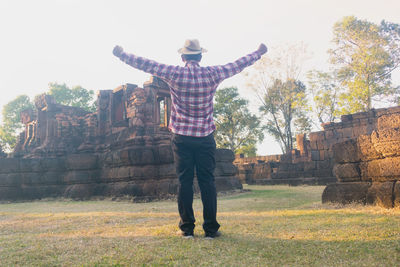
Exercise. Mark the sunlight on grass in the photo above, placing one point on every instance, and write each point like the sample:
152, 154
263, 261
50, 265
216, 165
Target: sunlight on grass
276, 224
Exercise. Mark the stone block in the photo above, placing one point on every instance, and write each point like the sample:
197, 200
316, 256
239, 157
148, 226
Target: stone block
224, 155
9, 165
225, 169
360, 130
311, 165
345, 193
388, 121
10, 179
81, 162
322, 173
387, 169
348, 132
162, 187
167, 170
141, 155
165, 154
324, 164
80, 191
81, 177
387, 142
313, 145
314, 155
317, 136
396, 194
346, 152
30, 165
381, 194
347, 172
52, 178
366, 148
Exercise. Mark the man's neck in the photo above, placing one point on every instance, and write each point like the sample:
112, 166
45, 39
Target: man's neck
192, 62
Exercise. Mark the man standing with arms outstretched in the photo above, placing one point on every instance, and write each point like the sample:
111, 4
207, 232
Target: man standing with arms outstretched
192, 91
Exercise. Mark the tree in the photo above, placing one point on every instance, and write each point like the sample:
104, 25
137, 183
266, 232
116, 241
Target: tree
76, 97
12, 125
325, 93
285, 107
281, 94
237, 128
365, 56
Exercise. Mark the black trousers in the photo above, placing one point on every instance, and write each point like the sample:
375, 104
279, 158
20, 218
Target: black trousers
196, 153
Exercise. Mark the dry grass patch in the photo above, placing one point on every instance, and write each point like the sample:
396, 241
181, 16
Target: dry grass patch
269, 226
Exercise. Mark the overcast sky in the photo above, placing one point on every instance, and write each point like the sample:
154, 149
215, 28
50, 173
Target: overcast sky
71, 41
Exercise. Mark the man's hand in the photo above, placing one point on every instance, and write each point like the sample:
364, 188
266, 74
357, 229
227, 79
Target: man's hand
262, 49
117, 51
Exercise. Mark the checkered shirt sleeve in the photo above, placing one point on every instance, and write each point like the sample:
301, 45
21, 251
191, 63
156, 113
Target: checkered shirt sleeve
192, 90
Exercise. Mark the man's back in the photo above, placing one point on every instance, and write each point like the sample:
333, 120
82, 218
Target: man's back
192, 89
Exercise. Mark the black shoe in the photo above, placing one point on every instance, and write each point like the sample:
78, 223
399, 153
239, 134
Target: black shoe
186, 235
212, 235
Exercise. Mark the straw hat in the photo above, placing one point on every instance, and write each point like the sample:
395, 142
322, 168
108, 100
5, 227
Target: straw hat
191, 47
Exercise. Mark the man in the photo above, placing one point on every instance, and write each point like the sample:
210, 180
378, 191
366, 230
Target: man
192, 91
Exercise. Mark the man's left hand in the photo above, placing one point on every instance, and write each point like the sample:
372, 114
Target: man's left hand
117, 51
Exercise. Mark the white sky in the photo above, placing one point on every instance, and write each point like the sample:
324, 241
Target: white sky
71, 41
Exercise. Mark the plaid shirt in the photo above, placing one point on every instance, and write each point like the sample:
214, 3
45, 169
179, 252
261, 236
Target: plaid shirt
192, 90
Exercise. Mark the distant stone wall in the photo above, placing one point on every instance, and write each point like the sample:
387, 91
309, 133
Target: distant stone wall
299, 167
367, 165
314, 159
124, 148
141, 172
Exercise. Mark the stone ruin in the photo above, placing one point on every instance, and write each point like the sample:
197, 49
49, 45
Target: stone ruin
122, 149
309, 164
359, 159
367, 166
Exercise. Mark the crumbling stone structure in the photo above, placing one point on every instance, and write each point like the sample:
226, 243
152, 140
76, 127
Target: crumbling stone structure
310, 163
124, 148
367, 166
358, 157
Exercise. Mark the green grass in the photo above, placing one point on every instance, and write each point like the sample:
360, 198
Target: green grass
268, 226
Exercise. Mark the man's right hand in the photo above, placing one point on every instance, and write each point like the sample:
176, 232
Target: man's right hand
117, 51
262, 49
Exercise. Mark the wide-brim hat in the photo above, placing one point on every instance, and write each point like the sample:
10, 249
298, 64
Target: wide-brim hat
192, 47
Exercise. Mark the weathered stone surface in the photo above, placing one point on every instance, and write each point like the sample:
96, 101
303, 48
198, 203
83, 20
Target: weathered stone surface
388, 121
225, 169
224, 155
347, 172
9, 165
386, 169
346, 152
345, 193
82, 162
124, 148
396, 194
381, 194
387, 142
366, 148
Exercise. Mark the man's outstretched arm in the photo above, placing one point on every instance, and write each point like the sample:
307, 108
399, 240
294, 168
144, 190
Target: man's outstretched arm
230, 69
144, 64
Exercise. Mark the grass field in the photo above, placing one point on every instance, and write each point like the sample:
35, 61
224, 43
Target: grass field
268, 226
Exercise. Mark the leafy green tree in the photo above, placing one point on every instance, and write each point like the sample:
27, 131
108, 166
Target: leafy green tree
237, 128
12, 125
282, 96
325, 92
285, 107
365, 55
76, 96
